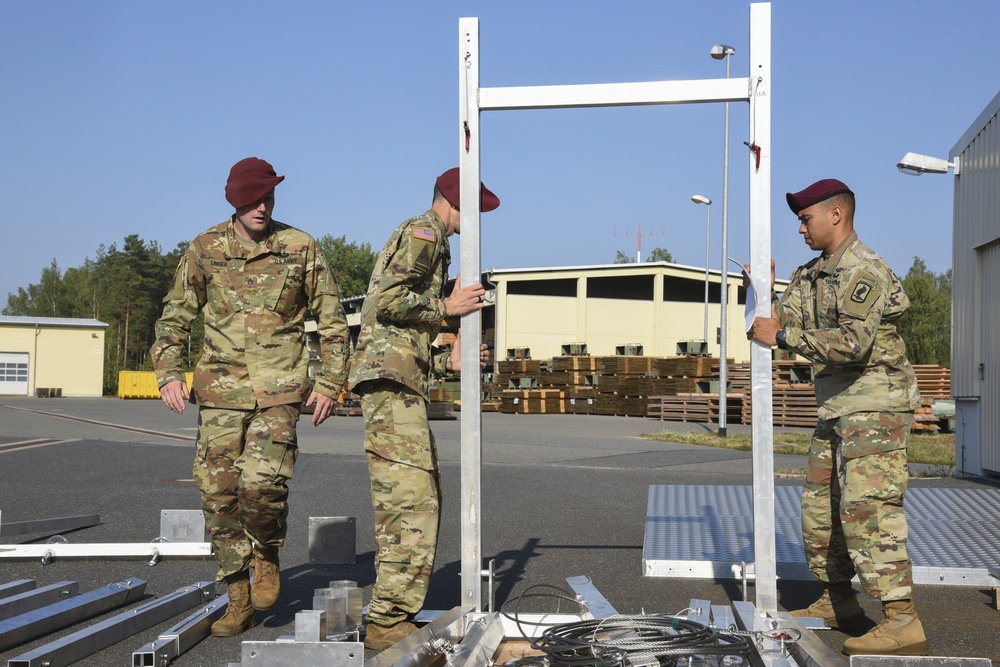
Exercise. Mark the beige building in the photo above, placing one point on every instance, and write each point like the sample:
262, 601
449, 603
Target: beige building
656, 305
51, 353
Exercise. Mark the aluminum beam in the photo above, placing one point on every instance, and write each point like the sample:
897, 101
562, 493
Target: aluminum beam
181, 637
15, 587
482, 637
754, 89
60, 525
36, 599
89, 640
302, 654
62, 614
150, 550
472, 415
592, 598
614, 94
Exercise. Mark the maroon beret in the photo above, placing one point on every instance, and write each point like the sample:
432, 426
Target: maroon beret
815, 193
448, 185
249, 180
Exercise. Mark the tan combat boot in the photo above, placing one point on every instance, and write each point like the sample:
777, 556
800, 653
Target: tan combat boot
239, 615
838, 606
899, 634
379, 637
266, 585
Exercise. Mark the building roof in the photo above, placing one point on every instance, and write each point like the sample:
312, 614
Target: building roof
27, 321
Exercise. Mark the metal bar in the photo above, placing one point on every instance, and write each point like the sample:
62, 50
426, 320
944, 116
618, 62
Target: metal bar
596, 603
15, 587
89, 640
471, 416
108, 550
59, 525
760, 260
482, 637
62, 614
614, 94
302, 654
181, 637
36, 599
422, 648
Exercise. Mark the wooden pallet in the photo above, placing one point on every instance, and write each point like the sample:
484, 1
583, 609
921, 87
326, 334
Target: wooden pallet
574, 363
700, 408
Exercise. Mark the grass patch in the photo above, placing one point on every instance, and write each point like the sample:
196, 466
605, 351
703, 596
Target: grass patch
933, 449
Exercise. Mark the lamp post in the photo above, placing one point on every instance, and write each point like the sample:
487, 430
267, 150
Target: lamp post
699, 199
720, 52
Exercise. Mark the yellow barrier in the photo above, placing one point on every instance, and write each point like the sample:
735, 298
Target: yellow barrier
142, 384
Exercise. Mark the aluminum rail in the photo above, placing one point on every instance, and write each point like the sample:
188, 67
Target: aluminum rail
153, 551
181, 637
89, 640
59, 525
38, 598
62, 614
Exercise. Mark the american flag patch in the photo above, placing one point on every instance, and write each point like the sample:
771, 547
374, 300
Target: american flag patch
423, 233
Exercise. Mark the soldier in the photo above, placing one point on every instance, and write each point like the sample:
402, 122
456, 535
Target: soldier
256, 280
840, 311
390, 369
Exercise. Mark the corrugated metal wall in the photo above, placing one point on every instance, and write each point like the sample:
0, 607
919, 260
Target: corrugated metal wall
976, 278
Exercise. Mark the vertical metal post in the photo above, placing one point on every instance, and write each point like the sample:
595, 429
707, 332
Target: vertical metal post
760, 260
724, 279
708, 236
469, 147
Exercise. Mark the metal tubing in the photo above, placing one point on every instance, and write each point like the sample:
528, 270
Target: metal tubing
36, 599
16, 587
89, 640
50, 552
482, 637
613, 94
181, 637
471, 416
422, 648
62, 614
760, 259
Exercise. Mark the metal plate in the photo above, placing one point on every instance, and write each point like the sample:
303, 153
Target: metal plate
707, 532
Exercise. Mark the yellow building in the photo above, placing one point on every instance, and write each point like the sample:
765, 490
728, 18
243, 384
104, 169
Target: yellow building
659, 306
64, 356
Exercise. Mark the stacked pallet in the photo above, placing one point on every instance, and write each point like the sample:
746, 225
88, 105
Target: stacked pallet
517, 374
624, 384
532, 401
933, 381
699, 408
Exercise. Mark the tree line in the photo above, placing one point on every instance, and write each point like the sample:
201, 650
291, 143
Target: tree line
124, 286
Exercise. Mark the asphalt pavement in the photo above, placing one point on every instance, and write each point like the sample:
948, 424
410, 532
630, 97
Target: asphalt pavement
562, 495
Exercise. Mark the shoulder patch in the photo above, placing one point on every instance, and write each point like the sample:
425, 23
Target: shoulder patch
424, 234
862, 293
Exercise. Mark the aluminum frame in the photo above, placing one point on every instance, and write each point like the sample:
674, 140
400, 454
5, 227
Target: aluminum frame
474, 99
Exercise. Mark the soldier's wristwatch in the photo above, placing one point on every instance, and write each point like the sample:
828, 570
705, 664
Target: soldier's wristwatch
779, 336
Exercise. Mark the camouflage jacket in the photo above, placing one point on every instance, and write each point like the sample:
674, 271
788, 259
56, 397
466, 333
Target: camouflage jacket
840, 312
255, 304
405, 307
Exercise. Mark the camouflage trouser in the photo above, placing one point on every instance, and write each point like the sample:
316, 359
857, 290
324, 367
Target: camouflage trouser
244, 461
406, 497
852, 503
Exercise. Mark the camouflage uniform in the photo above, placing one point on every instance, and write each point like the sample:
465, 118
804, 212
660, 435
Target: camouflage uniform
252, 376
391, 368
840, 312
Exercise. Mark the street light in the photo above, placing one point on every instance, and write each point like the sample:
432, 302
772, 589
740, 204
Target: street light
720, 52
699, 199
915, 164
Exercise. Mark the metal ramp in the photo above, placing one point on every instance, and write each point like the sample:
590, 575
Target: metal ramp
707, 532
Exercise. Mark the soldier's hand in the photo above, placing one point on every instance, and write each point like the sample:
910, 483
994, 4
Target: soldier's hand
464, 300
455, 358
324, 407
174, 395
763, 329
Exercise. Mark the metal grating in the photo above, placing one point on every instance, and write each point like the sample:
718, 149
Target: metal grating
707, 531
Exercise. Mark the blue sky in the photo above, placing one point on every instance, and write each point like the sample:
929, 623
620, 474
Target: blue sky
124, 117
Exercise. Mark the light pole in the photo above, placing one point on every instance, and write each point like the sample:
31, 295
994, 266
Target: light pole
699, 199
720, 52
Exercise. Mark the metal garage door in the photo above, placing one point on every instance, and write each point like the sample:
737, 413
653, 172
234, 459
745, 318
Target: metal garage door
13, 373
